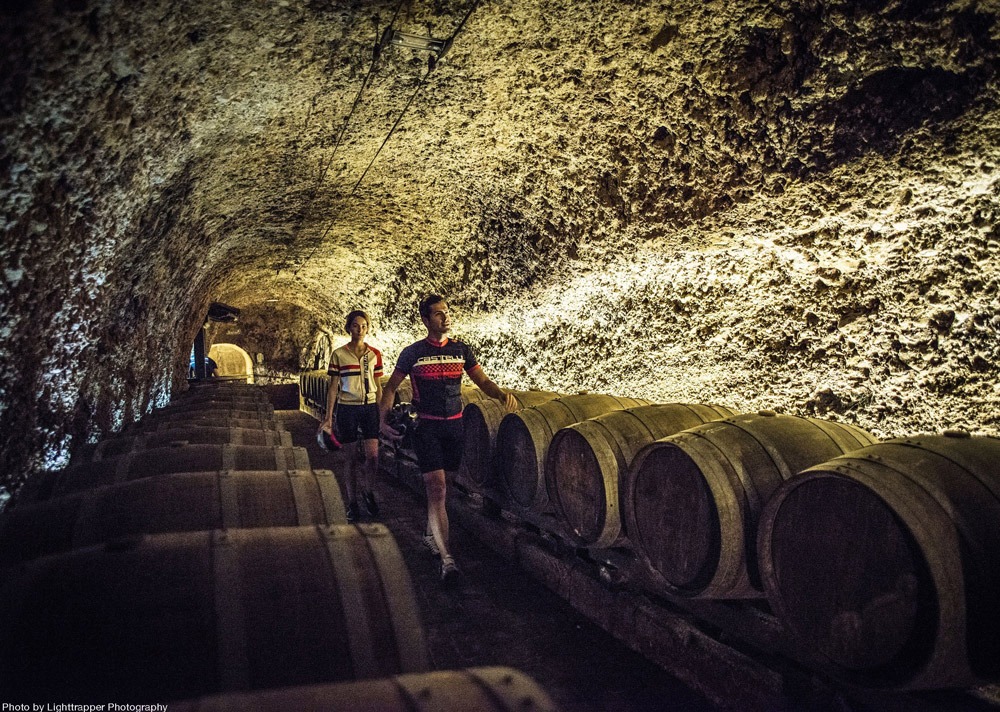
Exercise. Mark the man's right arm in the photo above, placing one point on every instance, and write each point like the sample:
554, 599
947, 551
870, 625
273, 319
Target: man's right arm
385, 403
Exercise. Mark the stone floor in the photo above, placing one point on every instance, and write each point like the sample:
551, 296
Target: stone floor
497, 615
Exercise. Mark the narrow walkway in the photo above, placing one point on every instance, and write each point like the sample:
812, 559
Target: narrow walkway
497, 615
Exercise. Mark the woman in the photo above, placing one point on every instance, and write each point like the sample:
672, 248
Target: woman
352, 404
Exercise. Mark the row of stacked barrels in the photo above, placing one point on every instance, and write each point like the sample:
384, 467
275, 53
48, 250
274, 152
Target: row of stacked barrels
198, 559
881, 559
314, 387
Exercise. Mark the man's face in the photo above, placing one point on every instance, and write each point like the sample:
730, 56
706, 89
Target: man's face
439, 320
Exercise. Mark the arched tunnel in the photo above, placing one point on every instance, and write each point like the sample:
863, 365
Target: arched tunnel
782, 206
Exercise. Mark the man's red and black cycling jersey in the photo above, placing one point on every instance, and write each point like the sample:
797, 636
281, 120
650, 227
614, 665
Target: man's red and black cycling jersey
435, 370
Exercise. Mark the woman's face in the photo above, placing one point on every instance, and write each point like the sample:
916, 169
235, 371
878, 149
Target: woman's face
359, 327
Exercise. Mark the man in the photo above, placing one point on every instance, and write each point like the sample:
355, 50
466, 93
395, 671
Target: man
435, 365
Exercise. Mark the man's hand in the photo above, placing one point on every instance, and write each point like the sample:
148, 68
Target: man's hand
390, 433
509, 403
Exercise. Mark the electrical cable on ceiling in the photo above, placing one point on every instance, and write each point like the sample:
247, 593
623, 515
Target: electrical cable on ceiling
431, 65
376, 54
324, 169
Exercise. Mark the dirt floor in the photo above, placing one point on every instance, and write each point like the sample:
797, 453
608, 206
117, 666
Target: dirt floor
497, 615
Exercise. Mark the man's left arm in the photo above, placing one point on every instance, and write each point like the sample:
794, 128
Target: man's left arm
491, 389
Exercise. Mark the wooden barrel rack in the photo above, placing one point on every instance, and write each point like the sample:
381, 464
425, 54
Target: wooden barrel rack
181, 562
196, 585
737, 645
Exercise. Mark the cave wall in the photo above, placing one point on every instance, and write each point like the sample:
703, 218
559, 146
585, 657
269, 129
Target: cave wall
786, 205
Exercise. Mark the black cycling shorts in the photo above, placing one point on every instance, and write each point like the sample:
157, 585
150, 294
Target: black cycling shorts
438, 444
356, 422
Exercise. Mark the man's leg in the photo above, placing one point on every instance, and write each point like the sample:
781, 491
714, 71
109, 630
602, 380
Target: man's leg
369, 469
437, 512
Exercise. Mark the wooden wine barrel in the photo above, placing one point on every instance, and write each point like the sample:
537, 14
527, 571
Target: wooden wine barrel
173, 616
252, 404
692, 500
220, 418
472, 394
885, 561
203, 419
282, 396
486, 689
223, 383
239, 409
585, 459
187, 501
161, 461
315, 387
221, 390
523, 442
193, 434
482, 420
249, 394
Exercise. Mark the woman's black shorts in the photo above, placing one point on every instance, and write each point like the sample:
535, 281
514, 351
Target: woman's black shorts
438, 444
356, 422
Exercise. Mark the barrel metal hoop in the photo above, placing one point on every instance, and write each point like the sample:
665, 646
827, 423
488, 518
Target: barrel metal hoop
141, 442
304, 514
87, 516
768, 446
329, 493
230, 614
397, 591
356, 613
300, 458
122, 467
229, 503
99, 450
228, 457
721, 466
733, 507
509, 688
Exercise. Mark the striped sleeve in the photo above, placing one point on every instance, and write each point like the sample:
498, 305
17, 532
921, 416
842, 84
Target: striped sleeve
378, 364
406, 360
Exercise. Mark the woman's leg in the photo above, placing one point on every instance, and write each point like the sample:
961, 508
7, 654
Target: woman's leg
350, 472
370, 464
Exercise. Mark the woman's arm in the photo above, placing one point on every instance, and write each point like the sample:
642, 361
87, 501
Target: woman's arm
331, 404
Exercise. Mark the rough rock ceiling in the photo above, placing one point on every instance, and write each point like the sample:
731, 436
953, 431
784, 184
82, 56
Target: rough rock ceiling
788, 205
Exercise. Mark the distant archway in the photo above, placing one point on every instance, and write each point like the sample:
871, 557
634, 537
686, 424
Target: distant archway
233, 362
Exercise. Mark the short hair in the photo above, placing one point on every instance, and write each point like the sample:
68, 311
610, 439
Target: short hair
354, 315
427, 302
